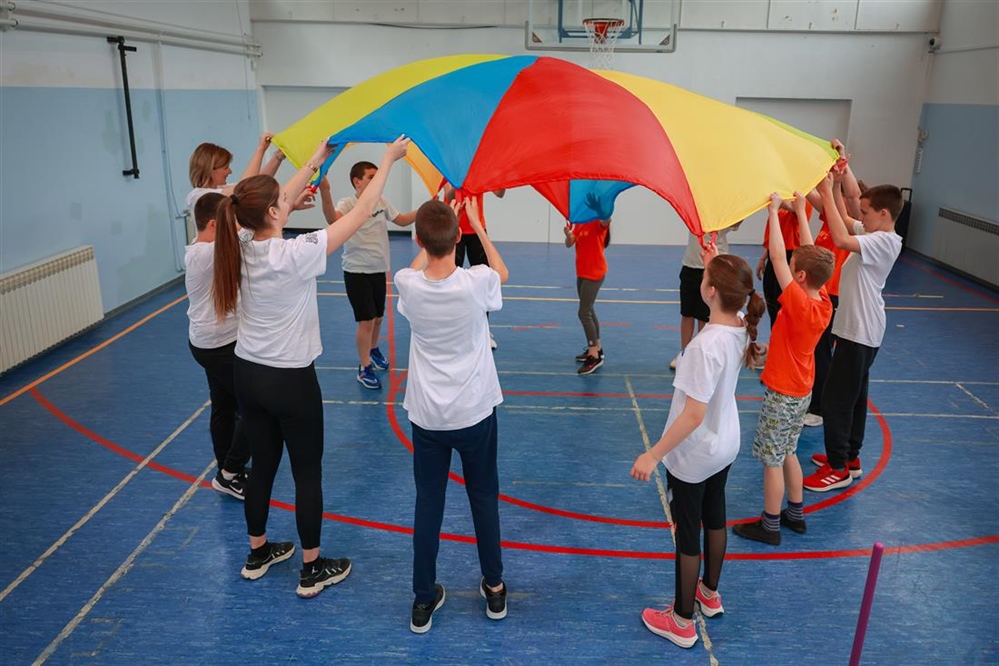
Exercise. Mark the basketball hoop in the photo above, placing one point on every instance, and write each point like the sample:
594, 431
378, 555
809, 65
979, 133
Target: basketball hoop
602, 34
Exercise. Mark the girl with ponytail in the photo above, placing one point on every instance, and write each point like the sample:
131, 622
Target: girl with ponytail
277, 342
701, 440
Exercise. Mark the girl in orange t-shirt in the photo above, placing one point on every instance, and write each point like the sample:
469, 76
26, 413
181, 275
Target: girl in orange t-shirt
590, 240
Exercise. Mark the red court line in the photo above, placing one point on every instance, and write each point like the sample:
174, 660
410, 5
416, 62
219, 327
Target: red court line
518, 545
951, 281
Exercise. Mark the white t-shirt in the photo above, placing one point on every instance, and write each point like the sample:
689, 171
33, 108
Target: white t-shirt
279, 315
692, 255
205, 331
195, 194
860, 317
452, 376
367, 251
708, 373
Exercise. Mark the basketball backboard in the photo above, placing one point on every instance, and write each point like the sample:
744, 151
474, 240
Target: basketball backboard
558, 25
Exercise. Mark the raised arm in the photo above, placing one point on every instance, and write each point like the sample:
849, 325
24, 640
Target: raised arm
841, 236
778, 252
337, 234
253, 168
326, 197
570, 238
405, 219
273, 164
492, 254
851, 187
804, 232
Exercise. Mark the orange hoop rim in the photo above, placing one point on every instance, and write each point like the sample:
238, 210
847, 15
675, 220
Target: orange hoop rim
601, 26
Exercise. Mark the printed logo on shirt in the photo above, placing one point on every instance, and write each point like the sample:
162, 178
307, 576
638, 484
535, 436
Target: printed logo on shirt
311, 238
378, 212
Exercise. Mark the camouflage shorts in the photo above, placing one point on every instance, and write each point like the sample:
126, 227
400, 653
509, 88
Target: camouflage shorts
781, 418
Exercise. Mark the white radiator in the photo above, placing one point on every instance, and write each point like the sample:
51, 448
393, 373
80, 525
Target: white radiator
47, 302
968, 243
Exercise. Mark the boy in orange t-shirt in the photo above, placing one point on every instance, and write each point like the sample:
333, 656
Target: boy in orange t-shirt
590, 240
788, 375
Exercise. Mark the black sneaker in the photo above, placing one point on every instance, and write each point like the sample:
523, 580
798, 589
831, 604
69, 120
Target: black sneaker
798, 526
257, 566
235, 486
495, 601
590, 364
423, 614
320, 574
756, 532
586, 352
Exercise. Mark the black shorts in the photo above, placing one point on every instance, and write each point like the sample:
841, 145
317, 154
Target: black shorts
691, 303
366, 292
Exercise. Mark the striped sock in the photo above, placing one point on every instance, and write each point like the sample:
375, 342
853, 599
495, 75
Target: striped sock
771, 523
794, 510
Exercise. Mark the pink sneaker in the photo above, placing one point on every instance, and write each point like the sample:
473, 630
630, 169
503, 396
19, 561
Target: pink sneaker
662, 623
710, 606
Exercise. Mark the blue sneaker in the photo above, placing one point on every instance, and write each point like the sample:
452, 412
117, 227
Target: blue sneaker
378, 362
366, 375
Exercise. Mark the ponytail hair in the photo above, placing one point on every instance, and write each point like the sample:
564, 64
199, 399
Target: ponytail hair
732, 279
247, 207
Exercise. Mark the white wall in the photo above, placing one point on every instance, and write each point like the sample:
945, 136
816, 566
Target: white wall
883, 76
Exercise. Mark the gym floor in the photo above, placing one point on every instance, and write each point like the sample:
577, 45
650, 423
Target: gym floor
115, 549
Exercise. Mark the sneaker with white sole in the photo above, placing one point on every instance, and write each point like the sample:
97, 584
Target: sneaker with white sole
710, 606
663, 623
676, 359
492, 341
367, 378
257, 565
320, 574
495, 601
812, 420
856, 471
235, 487
378, 361
423, 614
827, 478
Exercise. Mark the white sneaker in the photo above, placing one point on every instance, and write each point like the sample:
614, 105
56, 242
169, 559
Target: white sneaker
672, 364
492, 342
812, 420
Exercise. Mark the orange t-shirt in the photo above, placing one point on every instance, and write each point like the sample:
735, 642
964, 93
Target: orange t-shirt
591, 264
824, 239
466, 228
790, 367
788, 228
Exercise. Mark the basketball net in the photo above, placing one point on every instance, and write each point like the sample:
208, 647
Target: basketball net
602, 34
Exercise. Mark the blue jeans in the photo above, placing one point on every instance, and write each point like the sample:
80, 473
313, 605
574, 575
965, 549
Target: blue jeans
431, 464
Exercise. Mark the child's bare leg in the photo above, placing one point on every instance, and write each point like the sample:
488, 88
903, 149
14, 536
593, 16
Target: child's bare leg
686, 331
773, 488
793, 479
363, 341
376, 331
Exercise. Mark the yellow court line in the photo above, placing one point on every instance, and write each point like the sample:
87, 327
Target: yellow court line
92, 351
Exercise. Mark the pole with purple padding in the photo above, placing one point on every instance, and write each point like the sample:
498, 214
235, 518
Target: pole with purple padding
865, 605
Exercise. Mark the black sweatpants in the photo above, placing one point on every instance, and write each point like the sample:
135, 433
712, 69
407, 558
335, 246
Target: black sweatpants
232, 449
283, 407
844, 401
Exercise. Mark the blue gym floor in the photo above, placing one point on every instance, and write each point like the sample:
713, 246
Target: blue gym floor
115, 550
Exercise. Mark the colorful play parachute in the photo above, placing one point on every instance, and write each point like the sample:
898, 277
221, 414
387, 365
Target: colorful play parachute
579, 137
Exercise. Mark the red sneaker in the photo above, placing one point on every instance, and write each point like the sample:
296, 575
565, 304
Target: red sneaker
710, 606
827, 478
662, 623
853, 466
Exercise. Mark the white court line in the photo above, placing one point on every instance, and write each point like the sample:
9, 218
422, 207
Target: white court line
669, 517
981, 403
123, 568
943, 416
100, 505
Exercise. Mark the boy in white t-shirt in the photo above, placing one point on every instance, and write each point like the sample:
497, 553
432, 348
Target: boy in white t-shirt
451, 397
365, 264
859, 324
212, 344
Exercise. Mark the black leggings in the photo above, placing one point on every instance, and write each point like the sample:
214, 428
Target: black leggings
283, 406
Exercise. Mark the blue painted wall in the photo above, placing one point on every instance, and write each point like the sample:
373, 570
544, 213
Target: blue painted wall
960, 168
61, 186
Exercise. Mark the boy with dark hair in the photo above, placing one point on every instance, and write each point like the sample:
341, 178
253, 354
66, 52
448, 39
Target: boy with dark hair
788, 375
213, 344
365, 265
859, 325
451, 396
